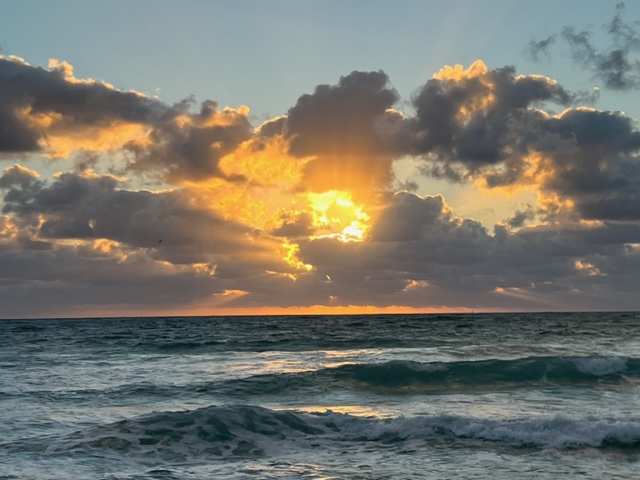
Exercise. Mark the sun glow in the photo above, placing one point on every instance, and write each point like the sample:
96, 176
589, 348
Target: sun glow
336, 215
290, 253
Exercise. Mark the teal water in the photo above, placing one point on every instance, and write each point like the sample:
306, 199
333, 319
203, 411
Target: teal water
497, 396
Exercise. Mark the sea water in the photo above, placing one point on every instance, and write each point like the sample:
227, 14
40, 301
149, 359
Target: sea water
495, 396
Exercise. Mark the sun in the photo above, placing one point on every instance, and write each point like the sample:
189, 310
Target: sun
336, 215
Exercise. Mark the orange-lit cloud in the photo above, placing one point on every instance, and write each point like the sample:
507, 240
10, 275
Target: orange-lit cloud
192, 208
53, 112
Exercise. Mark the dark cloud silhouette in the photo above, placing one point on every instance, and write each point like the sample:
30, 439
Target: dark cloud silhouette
413, 239
190, 146
410, 218
299, 224
340, 119
520, 217
343, 128
598, 168
80, 207
36, 103
467, 123
274, 126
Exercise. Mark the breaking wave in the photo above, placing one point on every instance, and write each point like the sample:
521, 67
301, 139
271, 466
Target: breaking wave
245, 431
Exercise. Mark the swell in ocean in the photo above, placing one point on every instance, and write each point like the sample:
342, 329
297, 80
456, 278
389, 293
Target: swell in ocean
494, 397
241, 431
400, 377
438, 377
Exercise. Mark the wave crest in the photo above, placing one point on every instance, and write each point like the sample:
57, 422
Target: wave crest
439, 377
240, 431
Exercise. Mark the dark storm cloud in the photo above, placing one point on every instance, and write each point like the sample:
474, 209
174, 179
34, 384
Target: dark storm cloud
614, 65
481, 137
409, 218
413, 237
18, 176
132, 249
15, 135
28, 92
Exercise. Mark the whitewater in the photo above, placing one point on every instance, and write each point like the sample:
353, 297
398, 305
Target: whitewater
495, 396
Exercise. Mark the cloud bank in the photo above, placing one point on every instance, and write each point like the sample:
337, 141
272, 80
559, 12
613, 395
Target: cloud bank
193, 208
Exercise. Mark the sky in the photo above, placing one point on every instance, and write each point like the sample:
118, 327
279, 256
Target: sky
273, 157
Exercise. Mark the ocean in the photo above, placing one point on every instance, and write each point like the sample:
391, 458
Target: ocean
473, 396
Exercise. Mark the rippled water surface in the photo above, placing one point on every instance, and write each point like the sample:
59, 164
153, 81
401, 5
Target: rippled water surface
382, 396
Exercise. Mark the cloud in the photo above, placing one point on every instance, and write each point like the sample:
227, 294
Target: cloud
342, 128
43, 110
520, 217
418, 253
598, 170
340, 119
304, 209
54, 113
90, 206
614, 65
295, 224
410, 217
469, 122
190, 146
490, 127
537, 48
86, 280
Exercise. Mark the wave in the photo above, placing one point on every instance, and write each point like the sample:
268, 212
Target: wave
241, 431
492, 373
393, 377
401, 376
